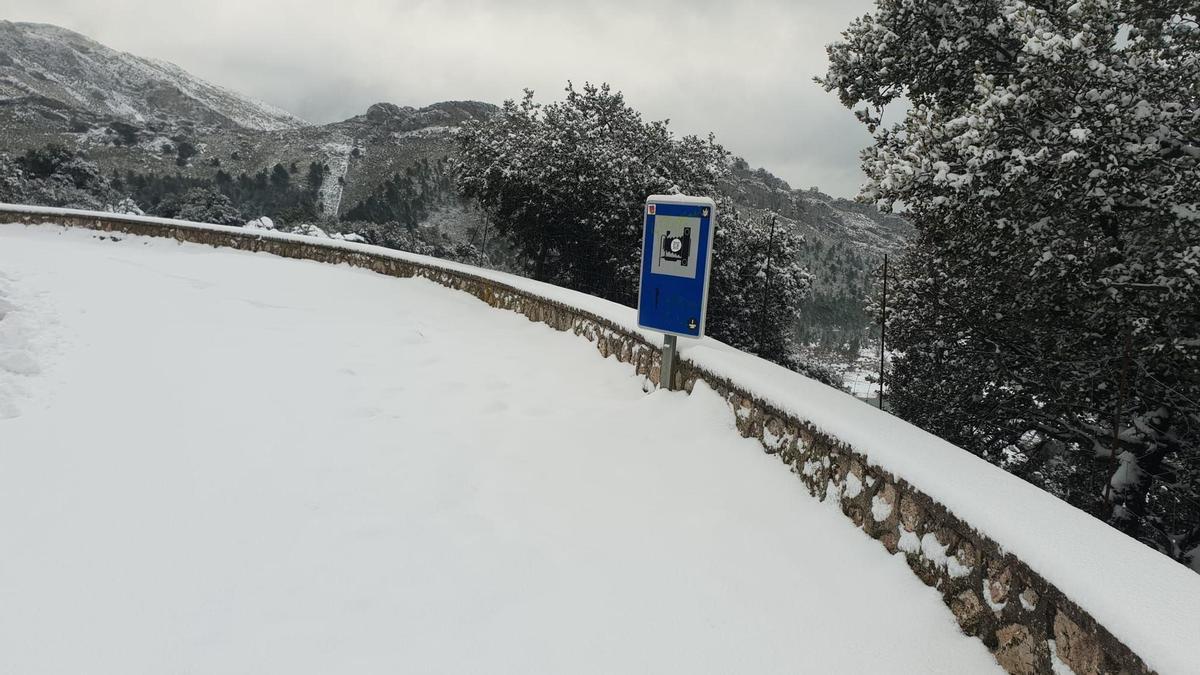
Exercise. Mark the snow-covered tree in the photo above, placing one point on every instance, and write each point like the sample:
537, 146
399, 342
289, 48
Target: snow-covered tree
1049, 311
758, 284
54, 176
566, 184
260, 223
202, 205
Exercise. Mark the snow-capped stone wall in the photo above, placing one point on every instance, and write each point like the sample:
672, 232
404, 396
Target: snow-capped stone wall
1026, 620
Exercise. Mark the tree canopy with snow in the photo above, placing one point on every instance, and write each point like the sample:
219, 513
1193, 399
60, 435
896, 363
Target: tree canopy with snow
566, 184
757, 287
1048, 313
54, 176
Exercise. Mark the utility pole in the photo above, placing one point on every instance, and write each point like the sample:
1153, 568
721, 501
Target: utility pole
484, 219
1123, 379
1116, 423
882, 329
762, 314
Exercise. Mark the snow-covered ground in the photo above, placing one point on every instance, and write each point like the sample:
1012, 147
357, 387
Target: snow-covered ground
229, 462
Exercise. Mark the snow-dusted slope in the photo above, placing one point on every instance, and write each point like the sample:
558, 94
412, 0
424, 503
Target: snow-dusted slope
236, 463
54, 63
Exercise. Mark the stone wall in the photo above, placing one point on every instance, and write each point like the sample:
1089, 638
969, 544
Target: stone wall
994, 596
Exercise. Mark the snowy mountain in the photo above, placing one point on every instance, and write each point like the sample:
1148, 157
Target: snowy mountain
68, 73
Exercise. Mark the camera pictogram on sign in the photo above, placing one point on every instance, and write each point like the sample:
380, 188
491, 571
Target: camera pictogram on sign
676, 240
679, 248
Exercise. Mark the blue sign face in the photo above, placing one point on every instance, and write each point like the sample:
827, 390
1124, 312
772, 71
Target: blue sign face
676, 256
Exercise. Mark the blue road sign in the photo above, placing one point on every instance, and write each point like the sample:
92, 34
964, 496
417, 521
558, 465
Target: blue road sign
676, 259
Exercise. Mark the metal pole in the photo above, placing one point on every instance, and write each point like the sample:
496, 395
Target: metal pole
882, 329
666, 377
762, 315
1116, 423
485, 229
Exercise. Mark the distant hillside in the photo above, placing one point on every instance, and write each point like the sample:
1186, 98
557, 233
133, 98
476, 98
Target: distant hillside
67, 73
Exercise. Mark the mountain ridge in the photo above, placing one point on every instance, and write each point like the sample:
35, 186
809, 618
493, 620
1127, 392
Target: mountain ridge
62, 65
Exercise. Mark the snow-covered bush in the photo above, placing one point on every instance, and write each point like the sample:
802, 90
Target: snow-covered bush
54, 176
1049, 310
349, 236
201, 205
261, 223
125, 206
308, 230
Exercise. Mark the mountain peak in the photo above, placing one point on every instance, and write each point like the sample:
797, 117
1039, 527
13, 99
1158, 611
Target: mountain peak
45, 61
393, 117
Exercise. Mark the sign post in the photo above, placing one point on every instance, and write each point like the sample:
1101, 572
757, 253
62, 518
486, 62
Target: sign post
676, 261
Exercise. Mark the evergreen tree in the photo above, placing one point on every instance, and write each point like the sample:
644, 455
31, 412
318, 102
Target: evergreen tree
280, 179
183, 152
409, 197
758, 284
55, 176
566, 183
1049, 310
201, 205
45, 161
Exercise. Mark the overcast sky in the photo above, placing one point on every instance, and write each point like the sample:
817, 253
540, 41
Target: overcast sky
742, 70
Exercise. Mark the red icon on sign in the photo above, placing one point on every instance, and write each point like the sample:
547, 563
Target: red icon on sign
650, 209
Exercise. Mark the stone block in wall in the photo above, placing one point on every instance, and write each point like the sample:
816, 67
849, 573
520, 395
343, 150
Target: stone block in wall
645, 361
774, 435
1029, 599
890, 541
946, 537
999, 582
968, 610
1019, 652
912, 516
967, 554
856, 468
928, 574
883, 506
854, 512
1076, 647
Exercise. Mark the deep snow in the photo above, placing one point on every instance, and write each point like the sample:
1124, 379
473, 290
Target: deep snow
231, 462
1152, 607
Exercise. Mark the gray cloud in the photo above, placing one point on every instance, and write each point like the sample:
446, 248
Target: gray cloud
741, 70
